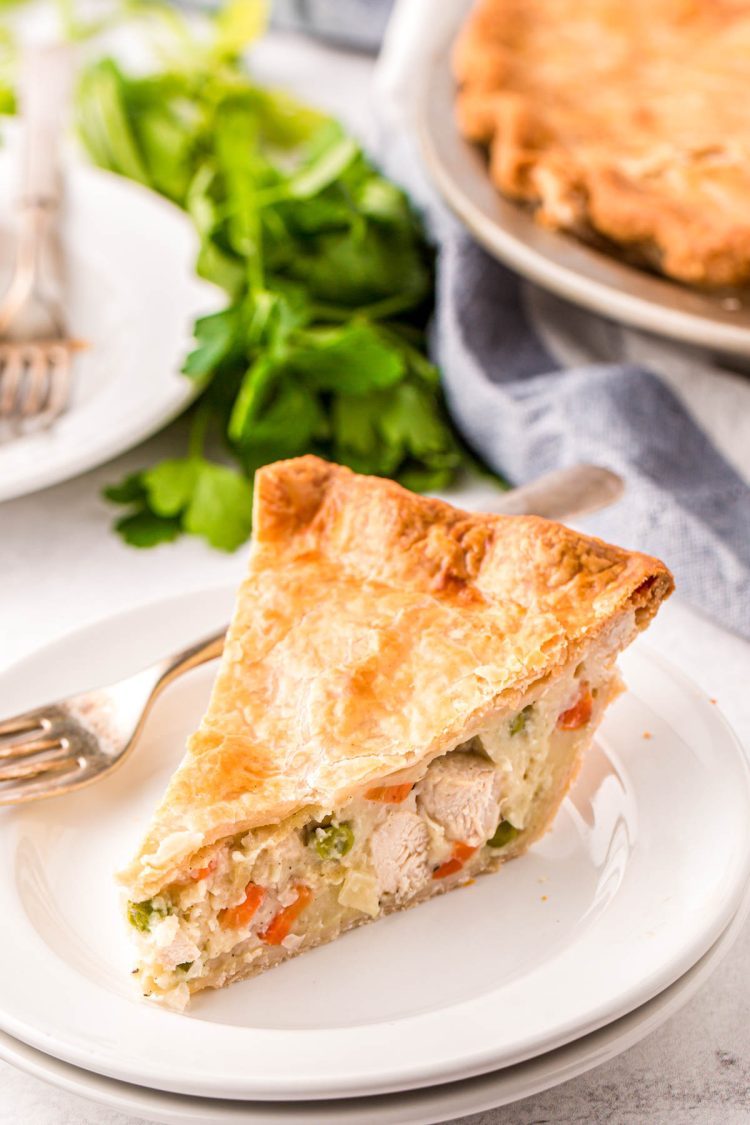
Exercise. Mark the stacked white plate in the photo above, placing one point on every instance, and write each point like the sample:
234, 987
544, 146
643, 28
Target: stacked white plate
555, 964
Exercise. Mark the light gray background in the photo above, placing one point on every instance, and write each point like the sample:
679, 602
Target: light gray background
61, 569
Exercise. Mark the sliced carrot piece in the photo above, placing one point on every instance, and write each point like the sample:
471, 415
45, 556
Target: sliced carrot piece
280, 925
203, 872
579, 714
461, 852
235, 916
390, 794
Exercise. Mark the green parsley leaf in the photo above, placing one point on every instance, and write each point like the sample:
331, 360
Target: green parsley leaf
221, 507
218, 337
145, 529
324, 170
170, 485
130, 490
104, 121
426, 480
328, 276
352, 360
411, 418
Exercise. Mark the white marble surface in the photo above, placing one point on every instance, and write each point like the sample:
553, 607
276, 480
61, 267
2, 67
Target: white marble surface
61, 568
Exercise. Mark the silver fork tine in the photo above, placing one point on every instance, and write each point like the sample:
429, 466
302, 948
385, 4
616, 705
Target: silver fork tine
23, 724
12, 372
27, 770
35, 379
15, 750
50, 784
92, 732
59, 380
38, 375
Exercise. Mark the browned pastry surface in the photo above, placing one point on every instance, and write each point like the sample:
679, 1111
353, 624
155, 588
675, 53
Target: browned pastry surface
623, 118
375, 630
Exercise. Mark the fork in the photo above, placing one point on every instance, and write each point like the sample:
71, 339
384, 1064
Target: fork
35, 350
61, 747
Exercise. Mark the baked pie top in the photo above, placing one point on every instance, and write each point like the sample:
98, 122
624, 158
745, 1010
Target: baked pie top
626, 119
373, 629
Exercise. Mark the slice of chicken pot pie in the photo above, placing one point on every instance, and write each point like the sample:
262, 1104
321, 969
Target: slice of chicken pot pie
404, 698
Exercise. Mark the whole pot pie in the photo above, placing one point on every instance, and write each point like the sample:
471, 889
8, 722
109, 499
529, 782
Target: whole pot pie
404, 698
622, 121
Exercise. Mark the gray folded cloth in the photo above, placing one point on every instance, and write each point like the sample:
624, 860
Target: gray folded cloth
525, 415
358, 24
534, 383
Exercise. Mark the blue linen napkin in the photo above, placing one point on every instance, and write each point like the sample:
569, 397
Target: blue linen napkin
516, 406
526, 410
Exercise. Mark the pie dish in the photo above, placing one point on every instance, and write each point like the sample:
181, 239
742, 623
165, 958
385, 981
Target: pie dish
624, 123
405, 696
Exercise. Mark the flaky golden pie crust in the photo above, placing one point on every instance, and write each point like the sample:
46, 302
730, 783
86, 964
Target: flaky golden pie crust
624, 119
375, 630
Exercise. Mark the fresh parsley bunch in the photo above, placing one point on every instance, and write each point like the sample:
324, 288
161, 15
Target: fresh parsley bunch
329, 287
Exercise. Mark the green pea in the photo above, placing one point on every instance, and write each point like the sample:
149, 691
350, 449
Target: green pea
519, 721
504, 833
332, 841
312, 826
139, 914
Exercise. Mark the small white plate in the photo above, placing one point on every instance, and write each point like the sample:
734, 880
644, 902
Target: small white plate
642, 872
133, 295
557, 261
413, 1107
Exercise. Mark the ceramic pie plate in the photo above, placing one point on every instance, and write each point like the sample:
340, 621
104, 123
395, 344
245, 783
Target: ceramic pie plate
555, 261
613, 906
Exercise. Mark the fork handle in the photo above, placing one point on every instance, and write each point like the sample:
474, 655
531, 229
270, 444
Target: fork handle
210, 648
45, 86
563, 494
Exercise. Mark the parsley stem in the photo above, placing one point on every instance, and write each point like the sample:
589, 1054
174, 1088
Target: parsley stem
255, 268
198, 429
378, 310
388, 307
337, 313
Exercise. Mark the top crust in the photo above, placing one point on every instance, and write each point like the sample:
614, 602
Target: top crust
621, 118
374, 630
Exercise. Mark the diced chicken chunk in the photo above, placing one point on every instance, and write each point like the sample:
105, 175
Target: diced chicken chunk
399, 852
461, 792
174, 948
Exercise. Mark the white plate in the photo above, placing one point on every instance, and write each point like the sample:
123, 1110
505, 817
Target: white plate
133, 296
557, 261
413, 1107
614, 905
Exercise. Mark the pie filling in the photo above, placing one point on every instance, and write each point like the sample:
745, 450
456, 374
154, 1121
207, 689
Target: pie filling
250, 901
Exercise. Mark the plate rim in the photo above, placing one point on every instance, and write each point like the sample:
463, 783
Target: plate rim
436, 132
408, 1078
575, 1058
